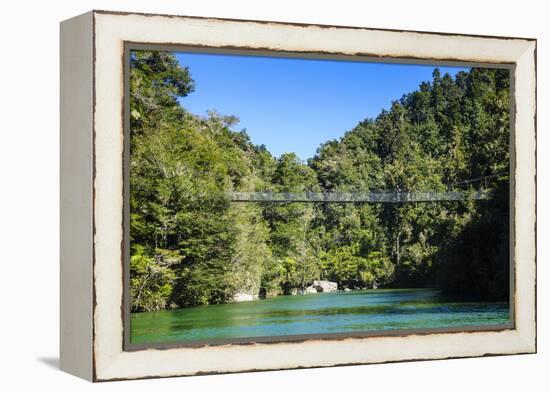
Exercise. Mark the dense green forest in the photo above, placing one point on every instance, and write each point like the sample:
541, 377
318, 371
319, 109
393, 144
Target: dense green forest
190, 245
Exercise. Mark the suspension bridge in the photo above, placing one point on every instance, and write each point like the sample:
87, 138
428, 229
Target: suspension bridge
482, 193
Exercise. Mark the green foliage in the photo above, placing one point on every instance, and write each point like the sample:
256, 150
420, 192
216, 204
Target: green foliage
346, 266
252, 258
157, 81
151, 279
191, 246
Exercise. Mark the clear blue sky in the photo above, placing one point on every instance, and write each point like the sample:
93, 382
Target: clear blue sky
294, 105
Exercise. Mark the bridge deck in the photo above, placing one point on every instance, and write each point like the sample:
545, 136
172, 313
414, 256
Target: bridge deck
357, 197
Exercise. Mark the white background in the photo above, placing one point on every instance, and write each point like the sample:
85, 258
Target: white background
29, 197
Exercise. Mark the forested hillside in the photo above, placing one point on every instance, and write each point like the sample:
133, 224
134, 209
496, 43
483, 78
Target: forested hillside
190, 245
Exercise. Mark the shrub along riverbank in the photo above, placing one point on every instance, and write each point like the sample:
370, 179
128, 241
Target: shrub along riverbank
190, 245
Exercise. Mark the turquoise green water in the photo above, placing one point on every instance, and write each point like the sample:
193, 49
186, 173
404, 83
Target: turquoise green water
337, 312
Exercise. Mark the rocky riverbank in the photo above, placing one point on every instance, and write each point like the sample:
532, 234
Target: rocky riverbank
318, 286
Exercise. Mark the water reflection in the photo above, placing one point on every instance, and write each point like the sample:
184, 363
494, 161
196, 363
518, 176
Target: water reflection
313, 314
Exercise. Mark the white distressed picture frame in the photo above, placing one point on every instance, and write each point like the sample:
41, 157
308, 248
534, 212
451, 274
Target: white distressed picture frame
92, 193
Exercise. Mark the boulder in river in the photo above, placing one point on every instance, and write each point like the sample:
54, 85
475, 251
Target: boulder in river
243, 297
325, 286
311, 289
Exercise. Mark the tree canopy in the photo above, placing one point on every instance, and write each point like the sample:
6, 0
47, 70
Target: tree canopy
190, 245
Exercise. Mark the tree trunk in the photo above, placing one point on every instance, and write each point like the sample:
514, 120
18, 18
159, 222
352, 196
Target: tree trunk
397, 247
397, 242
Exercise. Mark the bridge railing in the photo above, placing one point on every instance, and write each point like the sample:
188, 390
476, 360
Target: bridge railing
357, 197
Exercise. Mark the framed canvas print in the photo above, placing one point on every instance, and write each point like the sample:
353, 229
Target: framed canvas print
245, 195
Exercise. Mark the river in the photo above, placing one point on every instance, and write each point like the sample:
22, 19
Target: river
337, 312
